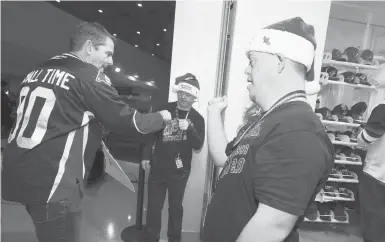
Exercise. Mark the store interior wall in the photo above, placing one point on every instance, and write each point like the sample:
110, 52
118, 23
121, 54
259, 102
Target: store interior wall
253, 15
31, 32
348, 23
348, 26
196, 50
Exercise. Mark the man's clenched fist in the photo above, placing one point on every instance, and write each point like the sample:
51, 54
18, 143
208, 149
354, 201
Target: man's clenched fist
146, 164
166, 115
218, 104
183, 124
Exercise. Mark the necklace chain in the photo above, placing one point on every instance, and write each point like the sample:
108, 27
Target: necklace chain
283, 100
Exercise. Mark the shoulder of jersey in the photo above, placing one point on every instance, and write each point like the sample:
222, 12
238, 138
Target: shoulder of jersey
82, 70
103, 78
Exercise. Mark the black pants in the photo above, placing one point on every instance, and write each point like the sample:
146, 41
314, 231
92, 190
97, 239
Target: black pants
58, 221
157, 188
372, 202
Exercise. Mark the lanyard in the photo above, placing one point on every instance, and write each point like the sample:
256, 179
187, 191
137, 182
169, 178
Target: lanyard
177, 113
288, 97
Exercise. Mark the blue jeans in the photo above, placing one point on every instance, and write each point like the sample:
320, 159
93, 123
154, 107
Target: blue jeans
57, 221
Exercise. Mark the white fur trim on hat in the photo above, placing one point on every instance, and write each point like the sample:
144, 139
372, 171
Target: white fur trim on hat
284, 43
185, 87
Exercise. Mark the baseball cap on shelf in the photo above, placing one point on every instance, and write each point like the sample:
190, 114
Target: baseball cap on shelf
332, 72
362, 79
337, 55
340, 110
357, 110
344, 193
325, 211
352, 54
367, 55
291, 38
187, 83
343, 137
350, 77
339, 213
325, 112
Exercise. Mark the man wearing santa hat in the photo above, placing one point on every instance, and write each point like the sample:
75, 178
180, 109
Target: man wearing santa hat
277, 164
171, 159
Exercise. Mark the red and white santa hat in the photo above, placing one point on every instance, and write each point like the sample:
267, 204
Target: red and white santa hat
187, 83
291, 38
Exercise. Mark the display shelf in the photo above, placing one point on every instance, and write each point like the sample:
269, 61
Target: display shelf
342, 83
333, 220
379, 57
336, 123
332, 199
342, 180
325, 198
349, 65
346, 162
335, 142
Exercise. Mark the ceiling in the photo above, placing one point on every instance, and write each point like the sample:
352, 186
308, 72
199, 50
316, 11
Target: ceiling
360, 12
147, 25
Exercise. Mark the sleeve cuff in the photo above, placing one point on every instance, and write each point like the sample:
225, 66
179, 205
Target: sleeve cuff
282, 206
367, 138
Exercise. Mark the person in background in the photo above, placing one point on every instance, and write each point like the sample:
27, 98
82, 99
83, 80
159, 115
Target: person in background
6, 110
52, 140
171, 159
372, 180
277, 164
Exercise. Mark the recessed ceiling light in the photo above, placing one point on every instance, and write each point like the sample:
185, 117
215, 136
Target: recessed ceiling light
164, 30
114, 34
100, 11
131, 78
152, 54
150, 83
136, 46
117, 69
157, 44
138, 32
139, 5
136, 76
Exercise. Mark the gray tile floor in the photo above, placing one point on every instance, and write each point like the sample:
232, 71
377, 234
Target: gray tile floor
109, 207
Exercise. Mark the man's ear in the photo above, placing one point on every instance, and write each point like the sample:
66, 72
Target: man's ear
281, 64
88, 46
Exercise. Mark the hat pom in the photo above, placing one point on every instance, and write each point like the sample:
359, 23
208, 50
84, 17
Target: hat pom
312, 87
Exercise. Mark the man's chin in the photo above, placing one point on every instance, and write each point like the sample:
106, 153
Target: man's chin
252, 98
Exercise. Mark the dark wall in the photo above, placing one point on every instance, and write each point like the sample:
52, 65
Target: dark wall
31, 32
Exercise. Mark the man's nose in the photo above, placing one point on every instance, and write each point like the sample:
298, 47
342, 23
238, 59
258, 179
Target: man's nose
247, 70
110, 61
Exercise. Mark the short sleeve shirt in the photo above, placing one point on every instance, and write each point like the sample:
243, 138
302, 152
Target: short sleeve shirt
282, 162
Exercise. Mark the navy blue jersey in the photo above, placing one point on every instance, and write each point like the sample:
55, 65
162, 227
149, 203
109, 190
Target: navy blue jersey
282, 162
52, 138
172, 141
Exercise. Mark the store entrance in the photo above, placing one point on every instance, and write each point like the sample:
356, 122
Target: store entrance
228, 20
